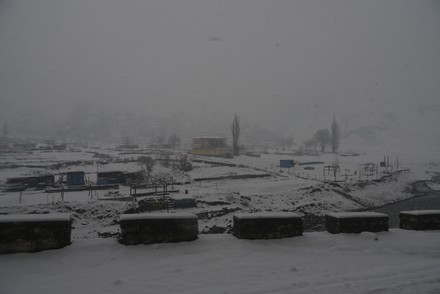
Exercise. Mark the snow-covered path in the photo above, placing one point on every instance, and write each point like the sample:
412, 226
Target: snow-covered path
397, 262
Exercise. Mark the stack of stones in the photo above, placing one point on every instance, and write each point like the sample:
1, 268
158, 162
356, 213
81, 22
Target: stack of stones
34, 232
267, 226
157, 228
420, 220
356, 222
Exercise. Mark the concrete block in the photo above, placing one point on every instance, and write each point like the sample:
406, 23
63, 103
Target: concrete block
267, 226
150, 228
356, 222
420, 220
34, 232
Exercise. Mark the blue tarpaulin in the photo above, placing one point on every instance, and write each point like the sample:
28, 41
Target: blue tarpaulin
75, 178
287, 163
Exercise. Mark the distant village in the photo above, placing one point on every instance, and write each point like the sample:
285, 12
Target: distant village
168, 152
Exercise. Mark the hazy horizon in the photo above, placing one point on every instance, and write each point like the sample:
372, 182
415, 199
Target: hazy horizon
286, 66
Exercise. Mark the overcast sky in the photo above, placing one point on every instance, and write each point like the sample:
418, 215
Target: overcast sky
270, 61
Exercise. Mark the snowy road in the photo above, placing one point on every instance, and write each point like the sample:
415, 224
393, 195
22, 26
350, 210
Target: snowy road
398, 261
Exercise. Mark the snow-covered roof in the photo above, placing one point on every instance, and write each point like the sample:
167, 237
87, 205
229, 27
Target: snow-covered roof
139, 216
267, 215
18, 218
421, 212
365, 214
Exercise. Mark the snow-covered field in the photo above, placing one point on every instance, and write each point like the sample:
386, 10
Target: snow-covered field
304, 189
397, 261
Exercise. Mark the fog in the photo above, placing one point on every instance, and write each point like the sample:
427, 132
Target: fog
285, 66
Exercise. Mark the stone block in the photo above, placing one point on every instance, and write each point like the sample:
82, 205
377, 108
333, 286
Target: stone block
420, 220
158, 228
267, 226
356, 222
34, 232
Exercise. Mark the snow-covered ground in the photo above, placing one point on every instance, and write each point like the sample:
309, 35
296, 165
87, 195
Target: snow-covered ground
307, 191
397, 261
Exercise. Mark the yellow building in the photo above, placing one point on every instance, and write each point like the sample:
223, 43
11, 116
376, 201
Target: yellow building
211, 146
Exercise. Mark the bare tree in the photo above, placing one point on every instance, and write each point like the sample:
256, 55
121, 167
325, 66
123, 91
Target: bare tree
314, 143
148, 162
290, 141
174, 140
235, 134
322, 137
335, 165
287, 141
335, 136
309, 143
166, 160
126, 141
184, 164
160, 140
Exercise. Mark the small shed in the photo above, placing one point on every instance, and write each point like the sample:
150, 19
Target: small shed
46, 180
118, 177
30, 182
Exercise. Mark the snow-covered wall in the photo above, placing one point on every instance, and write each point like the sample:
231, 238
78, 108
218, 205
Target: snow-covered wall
356, 222
158, 228
420, 220
267, 225
31, 233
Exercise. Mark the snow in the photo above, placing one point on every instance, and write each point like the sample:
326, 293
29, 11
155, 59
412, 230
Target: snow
422, 212
53, 217
218, 171
292, 190
138, 216
399, 261
434, 186
366, 214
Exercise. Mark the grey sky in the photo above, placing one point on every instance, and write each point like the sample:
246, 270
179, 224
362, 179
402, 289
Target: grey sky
273, 62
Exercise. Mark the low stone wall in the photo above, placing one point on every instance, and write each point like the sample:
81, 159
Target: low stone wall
267, 226
356, 222
34, 232
420, 220
157, 228
234, 177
